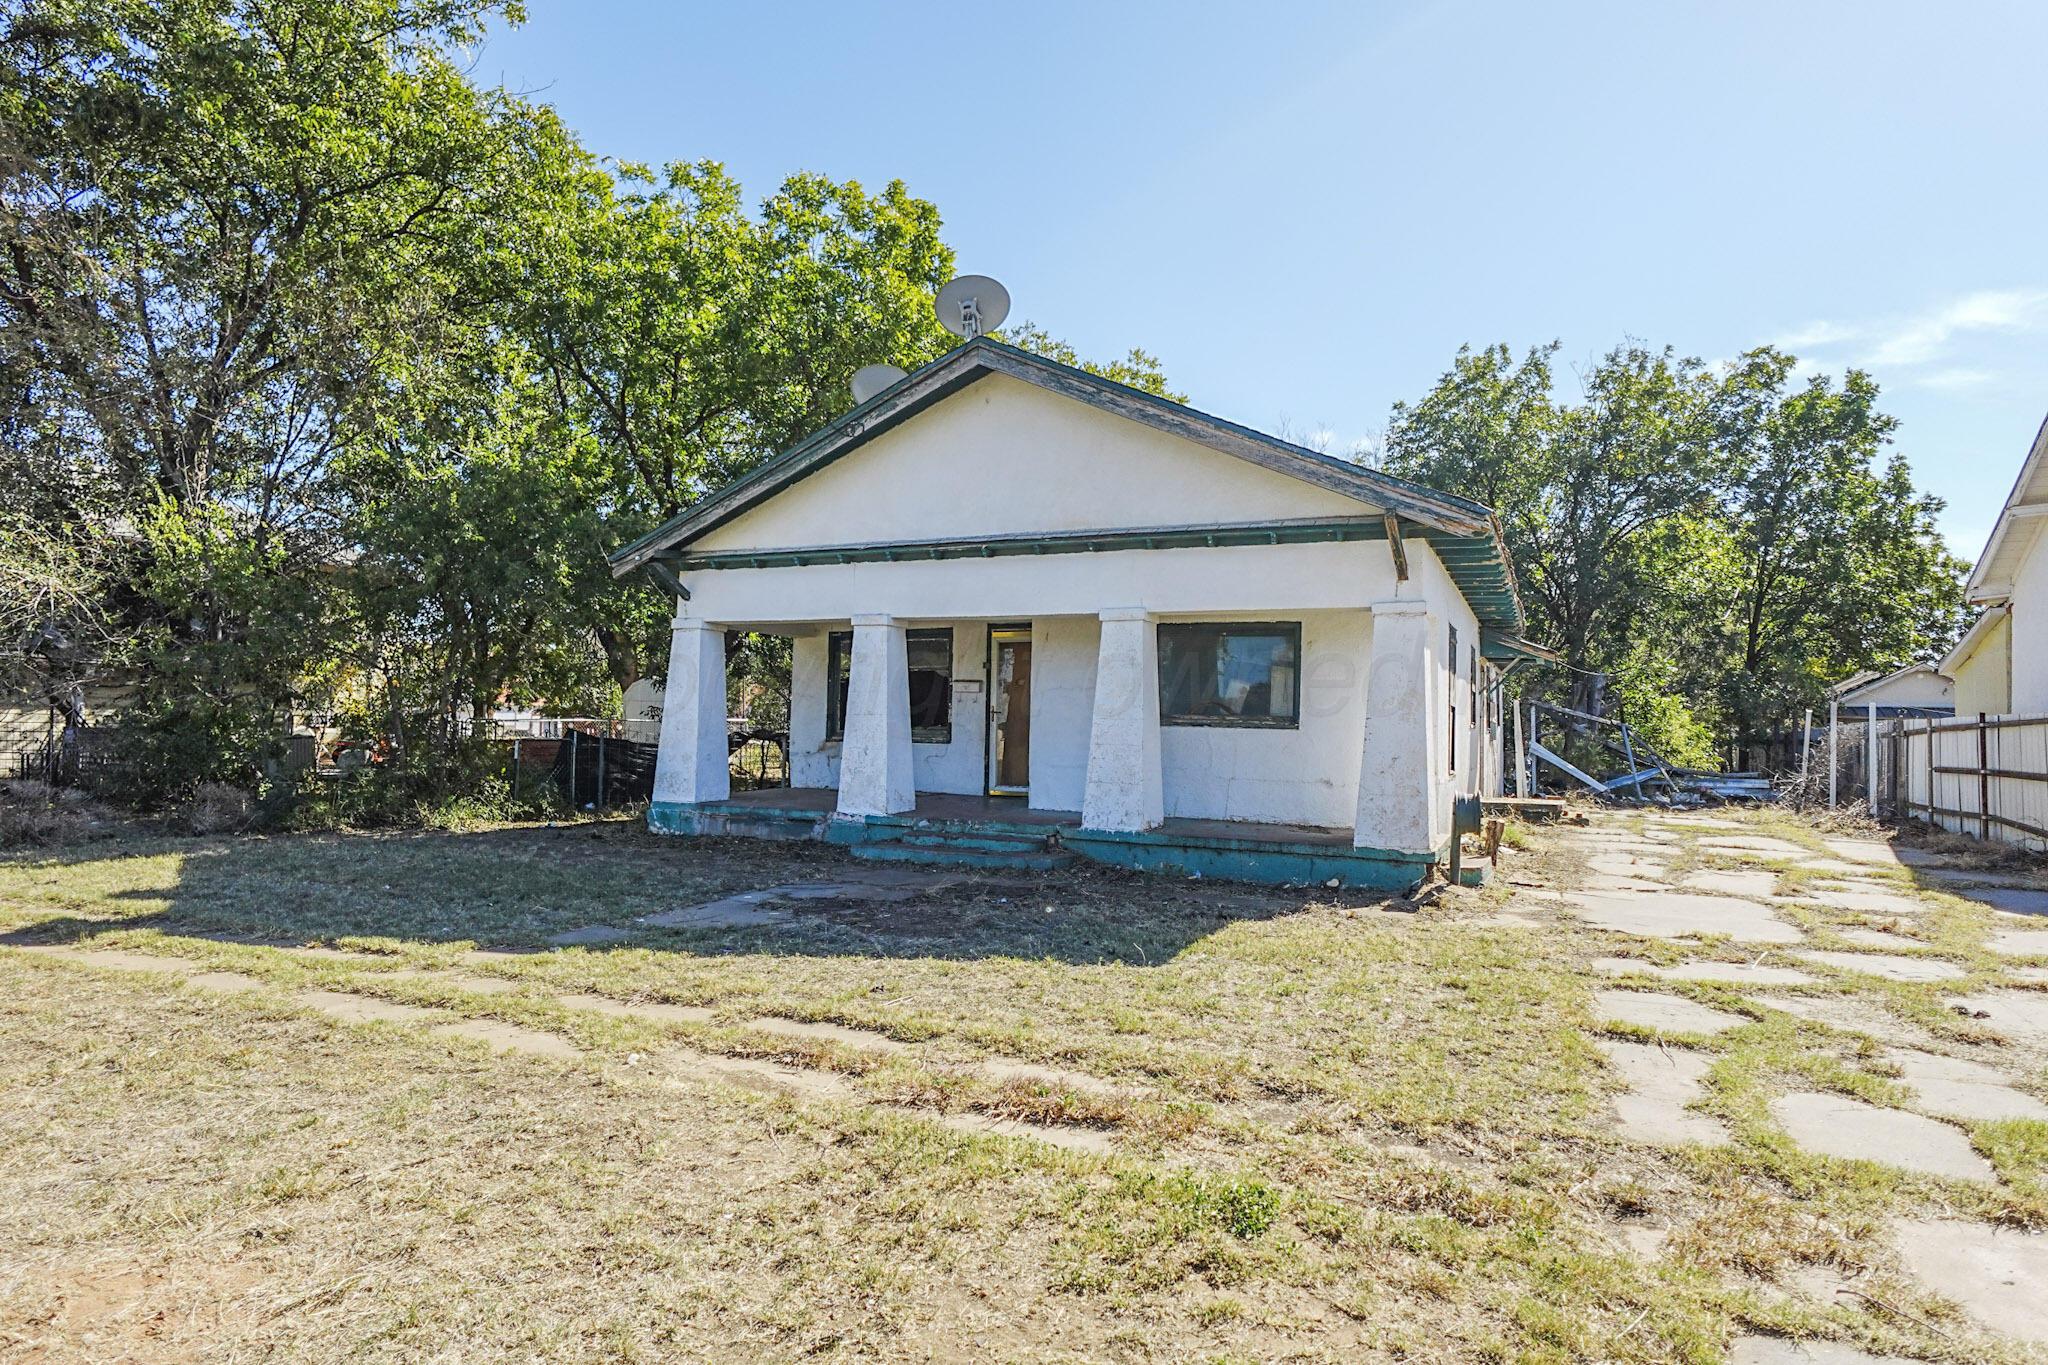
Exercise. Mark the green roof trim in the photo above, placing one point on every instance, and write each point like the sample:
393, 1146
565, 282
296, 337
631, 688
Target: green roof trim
1488, 591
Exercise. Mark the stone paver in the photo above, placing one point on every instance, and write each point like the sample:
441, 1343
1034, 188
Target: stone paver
2009, 899
1661, 1082
1667, 914
1833, 866
1840, 1012
1755, 845
1837, 1126
1747, 881
1874, 852
2019, 942
1665, 1013
1956, 1089
1877, 938
744, 911
1998, 1275
1869, 902
1621, 865
1946, 877
653, 1011
504, 1037
1889, 966
1786, 1351
1738, 973
2019, 1015
590, 935
364, 1009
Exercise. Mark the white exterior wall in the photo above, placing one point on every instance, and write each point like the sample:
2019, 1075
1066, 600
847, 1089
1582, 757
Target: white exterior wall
1004, 457
1984, 679
1063, 653
2029, 630
1917, 687
1307, 775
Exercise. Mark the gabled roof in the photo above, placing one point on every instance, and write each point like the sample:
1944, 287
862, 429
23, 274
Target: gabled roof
2020, 521
1464, 533
1870, 679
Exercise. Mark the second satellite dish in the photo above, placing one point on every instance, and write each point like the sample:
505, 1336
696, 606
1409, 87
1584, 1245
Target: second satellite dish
972, 306
870, 380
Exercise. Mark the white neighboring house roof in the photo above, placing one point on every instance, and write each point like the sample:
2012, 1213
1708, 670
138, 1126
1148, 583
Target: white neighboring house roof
1896, 688
1973, 640
2020, 522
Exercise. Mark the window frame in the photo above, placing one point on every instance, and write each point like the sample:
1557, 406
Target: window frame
1290, 630
835, 683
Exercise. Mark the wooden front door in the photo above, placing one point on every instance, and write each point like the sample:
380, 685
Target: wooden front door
1009, 712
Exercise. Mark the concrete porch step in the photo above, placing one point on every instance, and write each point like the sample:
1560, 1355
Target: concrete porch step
991, 841
1019, 856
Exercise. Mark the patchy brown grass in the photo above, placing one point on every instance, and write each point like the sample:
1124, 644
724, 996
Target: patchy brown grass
1337, 1133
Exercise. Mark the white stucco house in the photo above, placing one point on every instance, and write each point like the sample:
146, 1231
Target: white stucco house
1039, 615
2001, 665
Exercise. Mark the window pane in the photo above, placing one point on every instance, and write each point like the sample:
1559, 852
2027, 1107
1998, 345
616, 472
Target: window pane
838, 665
931, 684
1229, 674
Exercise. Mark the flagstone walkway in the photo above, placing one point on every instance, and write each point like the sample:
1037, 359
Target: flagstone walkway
1863, 951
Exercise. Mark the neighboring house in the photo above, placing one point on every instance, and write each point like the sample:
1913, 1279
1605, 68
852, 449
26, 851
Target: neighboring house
1915, 690
2001, 665
1043, 613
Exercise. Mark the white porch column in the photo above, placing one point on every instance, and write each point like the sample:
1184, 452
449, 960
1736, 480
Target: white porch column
1396, 778
1124, 790
691, 764
875, 776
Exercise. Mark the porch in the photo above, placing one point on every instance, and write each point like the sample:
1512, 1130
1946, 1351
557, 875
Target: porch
1007, 833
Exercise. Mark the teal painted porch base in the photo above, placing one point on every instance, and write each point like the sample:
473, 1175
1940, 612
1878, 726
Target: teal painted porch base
1271, 861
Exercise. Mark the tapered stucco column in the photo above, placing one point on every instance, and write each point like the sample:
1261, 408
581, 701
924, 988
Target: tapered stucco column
875, 775
1124, 791
1396, 777
691, 764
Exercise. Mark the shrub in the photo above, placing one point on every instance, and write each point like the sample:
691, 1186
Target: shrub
217, 808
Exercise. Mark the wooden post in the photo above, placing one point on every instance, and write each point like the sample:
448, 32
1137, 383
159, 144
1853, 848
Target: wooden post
572, 768
599, 795
1870, 756
1805, 745
1521, 757
1834, 751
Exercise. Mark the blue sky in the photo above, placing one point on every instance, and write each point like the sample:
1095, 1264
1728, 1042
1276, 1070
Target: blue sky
1306, 209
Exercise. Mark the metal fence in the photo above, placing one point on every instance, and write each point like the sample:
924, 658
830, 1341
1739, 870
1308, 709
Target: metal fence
1981, 775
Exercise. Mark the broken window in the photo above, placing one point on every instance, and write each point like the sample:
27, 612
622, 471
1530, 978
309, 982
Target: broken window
1235, 674
930, 658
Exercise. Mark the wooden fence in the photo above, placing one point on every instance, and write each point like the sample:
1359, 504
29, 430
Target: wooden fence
1985, 776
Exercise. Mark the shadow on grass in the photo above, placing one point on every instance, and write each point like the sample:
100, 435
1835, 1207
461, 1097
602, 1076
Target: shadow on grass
514, 889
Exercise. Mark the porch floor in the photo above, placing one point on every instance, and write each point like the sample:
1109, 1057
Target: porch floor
1013, 810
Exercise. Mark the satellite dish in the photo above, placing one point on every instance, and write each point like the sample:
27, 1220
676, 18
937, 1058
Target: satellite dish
870, 380
972, 306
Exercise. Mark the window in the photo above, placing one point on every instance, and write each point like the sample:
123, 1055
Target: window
930, 655
1452, 692
1230, 674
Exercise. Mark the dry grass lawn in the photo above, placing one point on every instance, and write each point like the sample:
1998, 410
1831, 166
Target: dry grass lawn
1088, 1116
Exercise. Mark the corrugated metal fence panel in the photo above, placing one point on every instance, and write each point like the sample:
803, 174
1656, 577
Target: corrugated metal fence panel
1981, 776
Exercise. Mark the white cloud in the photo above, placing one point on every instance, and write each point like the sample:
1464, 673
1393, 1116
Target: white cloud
1924, 338
1955, 379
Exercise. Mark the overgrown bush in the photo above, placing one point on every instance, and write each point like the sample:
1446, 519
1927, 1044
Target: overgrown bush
217, 808
33, 815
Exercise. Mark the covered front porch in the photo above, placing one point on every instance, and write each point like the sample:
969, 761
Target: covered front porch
1004, 832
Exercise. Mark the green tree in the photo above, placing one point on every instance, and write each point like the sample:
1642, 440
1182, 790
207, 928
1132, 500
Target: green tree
1836, 563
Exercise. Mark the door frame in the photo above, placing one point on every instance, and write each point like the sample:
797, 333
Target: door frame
1013, 632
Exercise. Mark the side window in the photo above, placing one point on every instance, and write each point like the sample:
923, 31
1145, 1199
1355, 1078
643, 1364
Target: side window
930, 656
1451, 691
